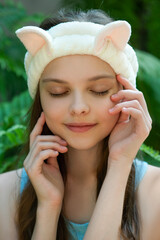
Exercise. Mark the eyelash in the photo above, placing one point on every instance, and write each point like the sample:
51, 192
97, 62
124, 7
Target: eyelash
62, 94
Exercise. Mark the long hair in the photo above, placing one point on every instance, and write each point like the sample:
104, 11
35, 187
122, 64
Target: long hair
27, 201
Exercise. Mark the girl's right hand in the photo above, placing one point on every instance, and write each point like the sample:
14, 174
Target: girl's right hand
46, 178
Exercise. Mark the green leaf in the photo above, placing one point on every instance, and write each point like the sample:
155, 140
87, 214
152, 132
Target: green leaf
151, 152
12, 137
13, 112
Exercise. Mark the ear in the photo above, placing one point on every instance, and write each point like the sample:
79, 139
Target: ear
33, 38
118, 32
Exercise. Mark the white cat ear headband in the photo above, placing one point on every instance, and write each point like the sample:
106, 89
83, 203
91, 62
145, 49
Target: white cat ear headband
108, 42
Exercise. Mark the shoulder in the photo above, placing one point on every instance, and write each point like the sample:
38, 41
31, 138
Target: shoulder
9, 188
149, 203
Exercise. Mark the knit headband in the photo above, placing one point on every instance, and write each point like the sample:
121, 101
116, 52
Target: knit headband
108, 42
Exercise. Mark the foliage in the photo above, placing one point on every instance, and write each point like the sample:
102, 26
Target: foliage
12, 113
148, 81
12, 17
151, 152
12, 130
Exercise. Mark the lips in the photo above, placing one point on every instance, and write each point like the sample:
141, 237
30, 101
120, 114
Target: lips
80, 124
80, 128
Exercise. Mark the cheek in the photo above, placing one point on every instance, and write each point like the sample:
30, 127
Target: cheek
53, 119
54, 115
53, 112
104, 116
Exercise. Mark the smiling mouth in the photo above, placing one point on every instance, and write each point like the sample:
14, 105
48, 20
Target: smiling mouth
80, 128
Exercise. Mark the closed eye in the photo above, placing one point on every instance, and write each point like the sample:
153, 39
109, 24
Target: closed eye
65, 93
101, 93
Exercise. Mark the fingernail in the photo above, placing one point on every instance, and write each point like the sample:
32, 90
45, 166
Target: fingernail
111, 109
63, 141
119, 75
124, 109
122, 77
64, 147
114, 95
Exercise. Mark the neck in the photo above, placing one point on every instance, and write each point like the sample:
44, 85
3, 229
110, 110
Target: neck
82, 164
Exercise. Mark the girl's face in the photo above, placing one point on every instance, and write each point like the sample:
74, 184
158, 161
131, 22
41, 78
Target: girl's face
76, 80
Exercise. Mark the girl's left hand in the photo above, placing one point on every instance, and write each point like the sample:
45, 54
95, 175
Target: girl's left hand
132, 127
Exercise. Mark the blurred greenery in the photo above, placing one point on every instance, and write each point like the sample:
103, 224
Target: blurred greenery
14, 97
12, 75
143, 15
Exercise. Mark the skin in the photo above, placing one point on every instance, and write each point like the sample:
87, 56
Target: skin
81, 104
124, 116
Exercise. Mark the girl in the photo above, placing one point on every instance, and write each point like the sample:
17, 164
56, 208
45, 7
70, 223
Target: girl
81, 178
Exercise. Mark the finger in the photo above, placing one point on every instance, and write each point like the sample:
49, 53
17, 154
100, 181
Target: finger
50, 145
133, 103
40, 146
36, 165
124, 117
142, 126
125, 82
123, 95
53, 162
37, 130
49, 138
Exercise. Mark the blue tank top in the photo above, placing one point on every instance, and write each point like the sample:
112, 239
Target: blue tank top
76, 230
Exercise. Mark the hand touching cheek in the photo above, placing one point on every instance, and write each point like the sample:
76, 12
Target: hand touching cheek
133, 126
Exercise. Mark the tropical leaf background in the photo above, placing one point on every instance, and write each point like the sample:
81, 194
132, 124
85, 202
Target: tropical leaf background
15, 100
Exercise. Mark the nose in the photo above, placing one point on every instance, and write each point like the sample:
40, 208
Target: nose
79, 105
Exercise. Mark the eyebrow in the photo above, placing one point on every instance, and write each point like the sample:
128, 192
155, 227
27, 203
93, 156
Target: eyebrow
95, 78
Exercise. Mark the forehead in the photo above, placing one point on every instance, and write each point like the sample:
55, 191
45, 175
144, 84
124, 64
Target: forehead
75, 65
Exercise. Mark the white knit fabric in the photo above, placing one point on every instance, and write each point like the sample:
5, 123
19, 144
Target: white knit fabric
74, 38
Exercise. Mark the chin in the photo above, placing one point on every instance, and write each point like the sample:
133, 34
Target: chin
83, 143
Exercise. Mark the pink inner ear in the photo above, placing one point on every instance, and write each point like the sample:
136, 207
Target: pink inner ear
118, 32
32, 42
119, 36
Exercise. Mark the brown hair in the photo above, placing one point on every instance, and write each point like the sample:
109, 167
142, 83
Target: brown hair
27, 202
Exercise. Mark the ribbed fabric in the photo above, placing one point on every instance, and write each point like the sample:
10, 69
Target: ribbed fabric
78, 37
76, 230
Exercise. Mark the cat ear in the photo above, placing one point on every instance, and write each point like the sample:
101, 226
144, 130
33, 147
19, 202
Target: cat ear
118, 32
33, 38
